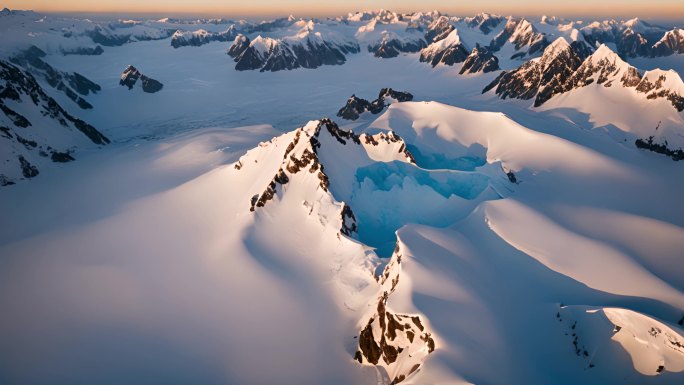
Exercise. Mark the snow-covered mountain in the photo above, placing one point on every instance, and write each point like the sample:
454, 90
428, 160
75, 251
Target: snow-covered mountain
201, 37
210, 232
307, 49
480, 59
566, 69
131, 75
36, 130
448, 51
522, 35
356, 106
543, 77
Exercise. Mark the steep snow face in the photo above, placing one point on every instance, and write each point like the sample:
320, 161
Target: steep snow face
605, 86
653, 347
448, 51
438, 29
34, 129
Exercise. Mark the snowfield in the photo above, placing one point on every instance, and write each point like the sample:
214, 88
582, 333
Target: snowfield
235, 231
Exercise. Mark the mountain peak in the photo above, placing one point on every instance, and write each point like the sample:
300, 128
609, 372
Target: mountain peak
556, 47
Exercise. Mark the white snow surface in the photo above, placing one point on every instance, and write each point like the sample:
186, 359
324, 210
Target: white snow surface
141, 262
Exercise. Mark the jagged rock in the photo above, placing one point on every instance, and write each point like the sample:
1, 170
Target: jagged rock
356, 106
130, 77
306, 50
485, 22
53, 132
543, 78
481, 59
438, 29
521, 33
303, 156
18, 82
240, 44
71, 84
448, 51
27, 169
660, 148
391, 45
671, 43
387, 336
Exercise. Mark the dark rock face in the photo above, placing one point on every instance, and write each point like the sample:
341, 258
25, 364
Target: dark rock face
444, 52
391, 46
654, 87
632, 44
86, 51
660, 148
481, 59
540, 79
240, 44
71, 84
562, 70
636, 38
27, 169
385, 348
61, 157
485, 22
438, 29
356, 106
18, 83
266, 54
671, 43
131, 75
521, 33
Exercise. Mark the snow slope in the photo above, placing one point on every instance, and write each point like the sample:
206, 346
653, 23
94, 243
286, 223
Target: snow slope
226, 237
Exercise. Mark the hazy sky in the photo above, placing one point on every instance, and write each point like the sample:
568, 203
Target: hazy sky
660, 9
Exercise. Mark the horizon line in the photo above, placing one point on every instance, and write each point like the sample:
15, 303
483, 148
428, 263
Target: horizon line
276, 14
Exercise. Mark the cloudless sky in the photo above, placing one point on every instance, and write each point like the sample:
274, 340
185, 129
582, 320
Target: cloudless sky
659, 9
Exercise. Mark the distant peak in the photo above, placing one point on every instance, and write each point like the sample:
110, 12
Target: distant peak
558, 46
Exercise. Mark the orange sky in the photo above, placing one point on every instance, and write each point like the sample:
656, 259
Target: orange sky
662, 9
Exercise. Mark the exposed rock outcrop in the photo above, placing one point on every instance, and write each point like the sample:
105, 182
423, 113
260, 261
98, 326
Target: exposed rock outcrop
48, 133
481, 59
398, 342
448, 51
73, 85
131, 75
391, 45
356, 106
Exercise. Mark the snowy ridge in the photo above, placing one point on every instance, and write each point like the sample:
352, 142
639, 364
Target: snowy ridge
522, 35
34, 129
200, 37
447, 51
